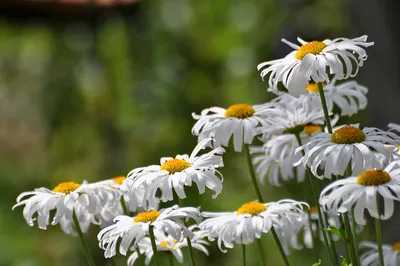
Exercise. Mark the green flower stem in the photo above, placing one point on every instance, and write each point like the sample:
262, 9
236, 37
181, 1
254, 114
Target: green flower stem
260, 199
260, 248
171, 259
189, 241
123, 205
252, 173
324, 107
354, 227
244, 254
348, 232
315, 196
379, 233
85, 247
330, 238
349, 239
153, 244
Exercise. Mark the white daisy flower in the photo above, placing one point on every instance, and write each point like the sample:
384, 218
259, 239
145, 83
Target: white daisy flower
276, 158
250, 221
292, 116
347, 144
136, 228
132, 198
87, 200
349, 96
360, 192
239, 121
370, 257
315, 61
165, 242
176, 173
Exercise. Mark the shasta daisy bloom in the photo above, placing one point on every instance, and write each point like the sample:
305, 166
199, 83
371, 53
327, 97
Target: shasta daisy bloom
315, 61
370, 256
165, 242
86, 200
176, 173
348, 96
361, 192
250, 221
130, 229
238, 121
292, 116
347, 144
276, 158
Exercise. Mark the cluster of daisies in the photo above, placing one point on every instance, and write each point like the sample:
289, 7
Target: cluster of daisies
296, 137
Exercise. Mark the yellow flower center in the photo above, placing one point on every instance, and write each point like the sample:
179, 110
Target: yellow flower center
147, 216
314, 47
170, 244
396, 246
240, 111
252, 208
313, 87
373, 178
119, 179
311, 128
313, 209
348, 135
66, 187
175, 165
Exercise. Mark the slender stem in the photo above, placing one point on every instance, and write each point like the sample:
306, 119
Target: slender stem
260, 199
171, 259
278, 243
244, 254
315, 197
349, 239
314, 235
188, 240
330, 238
378, 232
324, 107
123, 205
260, 248
252, 173
354, 227
153, 244
85, 247
112, 262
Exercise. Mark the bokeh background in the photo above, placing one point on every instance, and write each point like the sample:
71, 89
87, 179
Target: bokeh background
93, 90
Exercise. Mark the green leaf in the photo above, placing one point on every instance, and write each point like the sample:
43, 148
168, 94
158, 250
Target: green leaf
335, 231
318, 263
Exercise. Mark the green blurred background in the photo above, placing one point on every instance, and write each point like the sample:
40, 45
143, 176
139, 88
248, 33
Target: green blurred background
91, 92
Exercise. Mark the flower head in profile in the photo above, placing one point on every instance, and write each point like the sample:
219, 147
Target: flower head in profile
131, 198
275, 159
130, 229
238, 121
315, 61
370, 254
250, 221
173, 174
348, 96
291, 115
334, 152
87, 200
361, 192
165, 242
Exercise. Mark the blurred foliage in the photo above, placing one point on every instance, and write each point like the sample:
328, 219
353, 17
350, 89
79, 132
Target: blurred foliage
82, 100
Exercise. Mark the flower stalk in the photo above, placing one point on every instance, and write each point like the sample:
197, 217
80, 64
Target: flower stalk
80, 233
324, 107
260, 199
